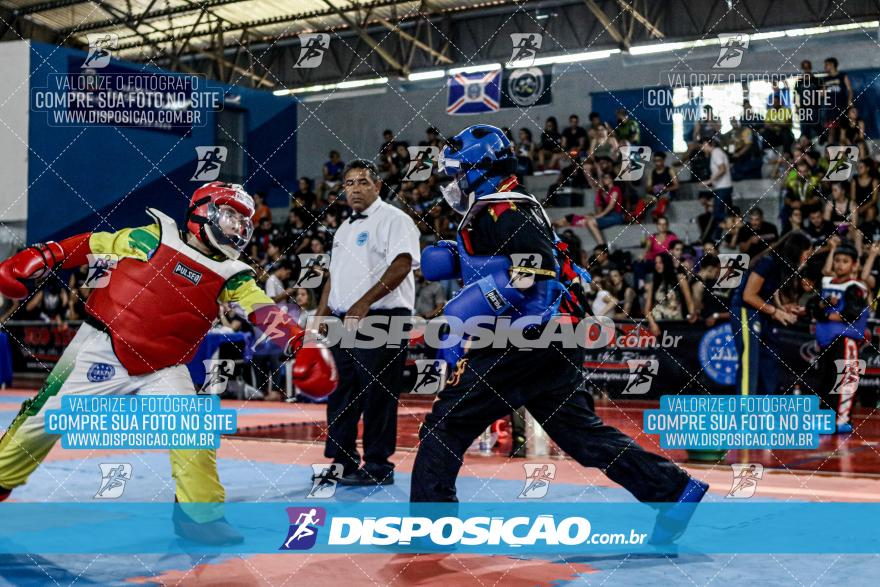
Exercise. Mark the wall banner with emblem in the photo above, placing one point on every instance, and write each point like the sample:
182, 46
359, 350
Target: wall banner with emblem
525, 87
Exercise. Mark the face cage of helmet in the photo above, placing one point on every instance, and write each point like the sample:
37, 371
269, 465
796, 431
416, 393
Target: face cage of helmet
228, 230
459, 193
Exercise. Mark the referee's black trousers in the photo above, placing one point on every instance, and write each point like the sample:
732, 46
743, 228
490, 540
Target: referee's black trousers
369, 385
550, 384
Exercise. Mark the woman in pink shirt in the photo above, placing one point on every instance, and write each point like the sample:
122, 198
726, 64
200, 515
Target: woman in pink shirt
661, 241
608, 210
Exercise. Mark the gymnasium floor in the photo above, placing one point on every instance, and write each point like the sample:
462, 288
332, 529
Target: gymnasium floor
270, 462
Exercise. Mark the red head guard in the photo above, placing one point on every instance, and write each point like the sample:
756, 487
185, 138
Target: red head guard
219, 216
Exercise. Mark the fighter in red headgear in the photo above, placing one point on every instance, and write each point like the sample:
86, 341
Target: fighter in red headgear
147, 322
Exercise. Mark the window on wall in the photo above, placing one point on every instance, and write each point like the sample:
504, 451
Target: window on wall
230, 131
727, 102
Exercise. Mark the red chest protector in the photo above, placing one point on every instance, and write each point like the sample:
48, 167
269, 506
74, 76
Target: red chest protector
158, 311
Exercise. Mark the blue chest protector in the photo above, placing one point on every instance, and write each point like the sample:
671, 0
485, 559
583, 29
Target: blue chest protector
490, 289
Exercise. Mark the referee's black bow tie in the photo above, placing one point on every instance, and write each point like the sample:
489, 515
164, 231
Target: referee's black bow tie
356, 216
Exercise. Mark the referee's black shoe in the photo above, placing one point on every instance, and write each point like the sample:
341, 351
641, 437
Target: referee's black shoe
362, 478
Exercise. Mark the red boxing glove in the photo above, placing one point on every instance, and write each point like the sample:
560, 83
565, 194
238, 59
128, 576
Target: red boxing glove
314, 371
37, 261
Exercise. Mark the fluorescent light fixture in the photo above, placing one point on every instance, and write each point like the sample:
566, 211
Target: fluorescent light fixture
362, 82
655, 48
475, 68
669, 47
768, 35
328, 87
420, 75
567, 58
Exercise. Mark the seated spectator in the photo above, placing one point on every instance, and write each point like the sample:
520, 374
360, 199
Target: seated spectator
747, 157
305, 299
627, 128
854, 127
708, 306
602, 302
864, 189
818, 229
842, 210
571, 177
667, 294
48, 302
525, 153
794, 221
261, 210
608, 204
332, 174
626, 301
432, 138
660, 241
574, 137
599, 264
389, 144
661, 185
550, 149
604, 146
800, 190
279, 273
730, 227
263, 235
756, 235
595, 124
706, 220
304, 197
777, 126
708, 128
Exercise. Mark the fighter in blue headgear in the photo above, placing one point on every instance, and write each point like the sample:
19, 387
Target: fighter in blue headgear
512, 264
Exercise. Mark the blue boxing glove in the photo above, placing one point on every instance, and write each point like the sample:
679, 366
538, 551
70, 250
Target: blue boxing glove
441, 261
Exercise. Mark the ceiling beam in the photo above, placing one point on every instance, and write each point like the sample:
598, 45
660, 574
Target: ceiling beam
606, 23
384, 54
649, 26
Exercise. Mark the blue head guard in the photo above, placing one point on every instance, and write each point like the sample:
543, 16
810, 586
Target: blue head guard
479, 158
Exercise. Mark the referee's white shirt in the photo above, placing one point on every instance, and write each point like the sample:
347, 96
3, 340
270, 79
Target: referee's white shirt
362, 252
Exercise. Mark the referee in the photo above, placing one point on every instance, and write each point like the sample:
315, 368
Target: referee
375, 252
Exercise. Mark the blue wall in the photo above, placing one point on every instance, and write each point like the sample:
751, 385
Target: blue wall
79, 175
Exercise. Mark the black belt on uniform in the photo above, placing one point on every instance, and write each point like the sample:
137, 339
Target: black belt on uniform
95, 323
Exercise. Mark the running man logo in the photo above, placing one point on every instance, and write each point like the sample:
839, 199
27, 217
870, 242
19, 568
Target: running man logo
303, 531
430, 376
525, 48
312, 269
100, 270
841, 162
273, 324
524, 267
324, 479
848, 373
745, 480
733, 267
101, 47
421, 162
538, 478
733, 47
218, 372
209, 159
312, 49
641, 375
113, 478
634, 159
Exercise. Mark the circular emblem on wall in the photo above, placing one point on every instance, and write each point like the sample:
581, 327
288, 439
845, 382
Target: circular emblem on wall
525, 86
718, 356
